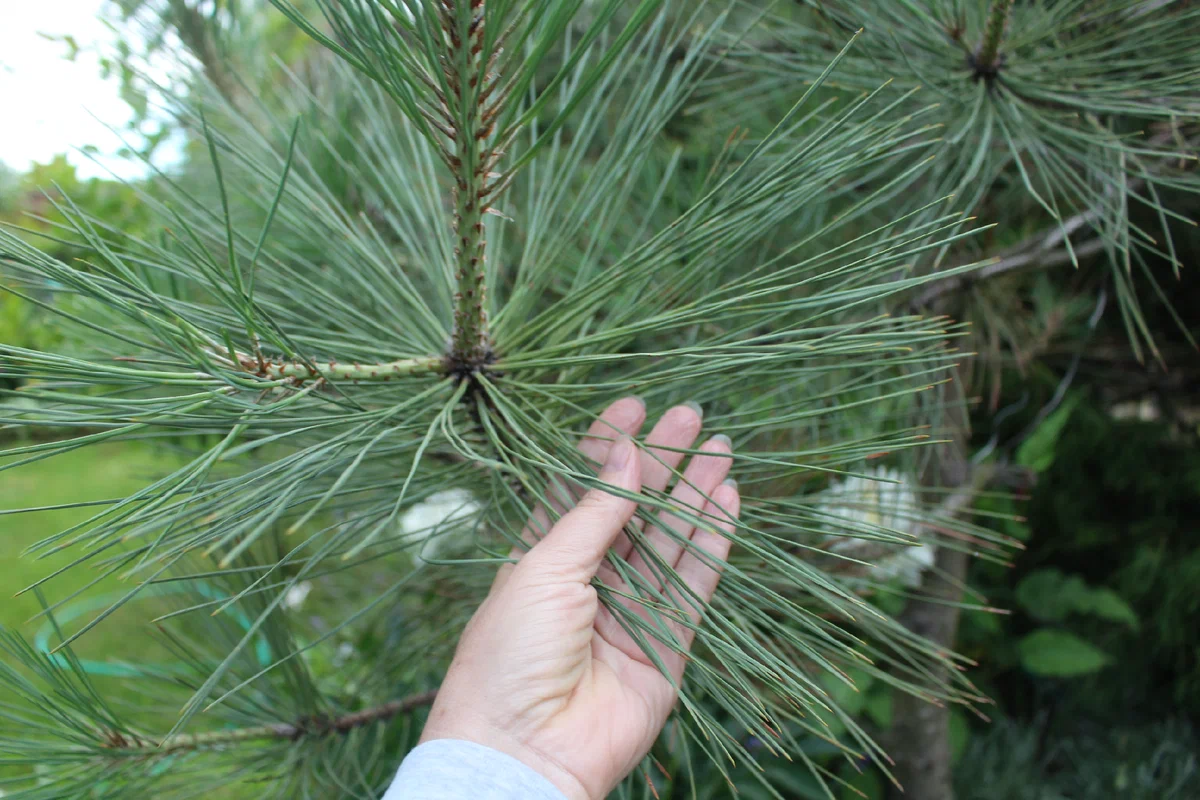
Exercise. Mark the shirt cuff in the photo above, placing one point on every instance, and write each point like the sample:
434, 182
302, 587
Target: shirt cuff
453, 769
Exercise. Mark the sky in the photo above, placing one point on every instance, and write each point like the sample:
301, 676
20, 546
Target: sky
53, 105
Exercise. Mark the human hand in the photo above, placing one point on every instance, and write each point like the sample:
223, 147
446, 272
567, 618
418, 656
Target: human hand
543, 671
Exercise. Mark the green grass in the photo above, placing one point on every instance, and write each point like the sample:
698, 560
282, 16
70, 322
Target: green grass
106, 471
101, 472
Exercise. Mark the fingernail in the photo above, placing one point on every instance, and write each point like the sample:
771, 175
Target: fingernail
730, 482
721, 438
694, 406
619, 455
639, 398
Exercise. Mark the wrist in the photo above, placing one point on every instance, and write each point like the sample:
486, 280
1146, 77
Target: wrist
503, 742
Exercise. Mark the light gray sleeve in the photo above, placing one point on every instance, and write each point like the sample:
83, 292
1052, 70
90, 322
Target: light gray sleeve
451, 769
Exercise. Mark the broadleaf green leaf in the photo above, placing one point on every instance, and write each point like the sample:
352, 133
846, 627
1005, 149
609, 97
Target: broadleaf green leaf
1037, 451
1058, 654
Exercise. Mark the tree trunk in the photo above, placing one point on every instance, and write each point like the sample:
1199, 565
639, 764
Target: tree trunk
919, 739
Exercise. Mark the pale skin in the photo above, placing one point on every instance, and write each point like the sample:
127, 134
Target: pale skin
543, 672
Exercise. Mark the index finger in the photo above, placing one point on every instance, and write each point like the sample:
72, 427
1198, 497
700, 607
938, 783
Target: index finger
623, 417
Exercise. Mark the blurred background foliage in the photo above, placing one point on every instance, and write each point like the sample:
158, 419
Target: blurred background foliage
1092, 653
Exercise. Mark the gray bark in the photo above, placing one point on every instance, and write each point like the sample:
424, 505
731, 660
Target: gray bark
919, 739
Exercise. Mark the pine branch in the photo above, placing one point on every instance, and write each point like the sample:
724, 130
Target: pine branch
1036, 251
469, 84
300, 371
1069, 131
621, 275
289, 731
988, 57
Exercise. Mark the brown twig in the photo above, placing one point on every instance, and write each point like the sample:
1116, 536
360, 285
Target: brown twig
1024, 255
290, 731
1040, 249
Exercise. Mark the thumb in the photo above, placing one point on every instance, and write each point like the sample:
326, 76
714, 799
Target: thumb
575, 547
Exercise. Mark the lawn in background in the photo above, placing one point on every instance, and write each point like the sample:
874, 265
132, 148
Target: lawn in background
97, 472
100, 472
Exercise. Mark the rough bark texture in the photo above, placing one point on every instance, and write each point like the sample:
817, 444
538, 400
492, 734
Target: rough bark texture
920, 733
464, 22
988, 57
919, 739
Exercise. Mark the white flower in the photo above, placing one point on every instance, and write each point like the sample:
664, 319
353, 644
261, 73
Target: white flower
883, 499
296, 595
1145, 410
437, 514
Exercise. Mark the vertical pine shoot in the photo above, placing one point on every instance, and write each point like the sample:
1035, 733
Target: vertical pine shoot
336, 336
988, 57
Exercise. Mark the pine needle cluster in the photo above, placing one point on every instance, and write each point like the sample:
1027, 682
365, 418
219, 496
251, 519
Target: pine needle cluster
524, 242
1082, 114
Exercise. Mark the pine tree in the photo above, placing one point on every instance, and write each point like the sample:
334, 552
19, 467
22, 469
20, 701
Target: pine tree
1071, 125
1077, 117
412, 288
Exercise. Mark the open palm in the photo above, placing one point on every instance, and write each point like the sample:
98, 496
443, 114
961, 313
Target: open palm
543, 671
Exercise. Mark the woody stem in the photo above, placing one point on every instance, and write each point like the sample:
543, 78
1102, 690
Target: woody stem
463, 25
283, 730
987, 57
